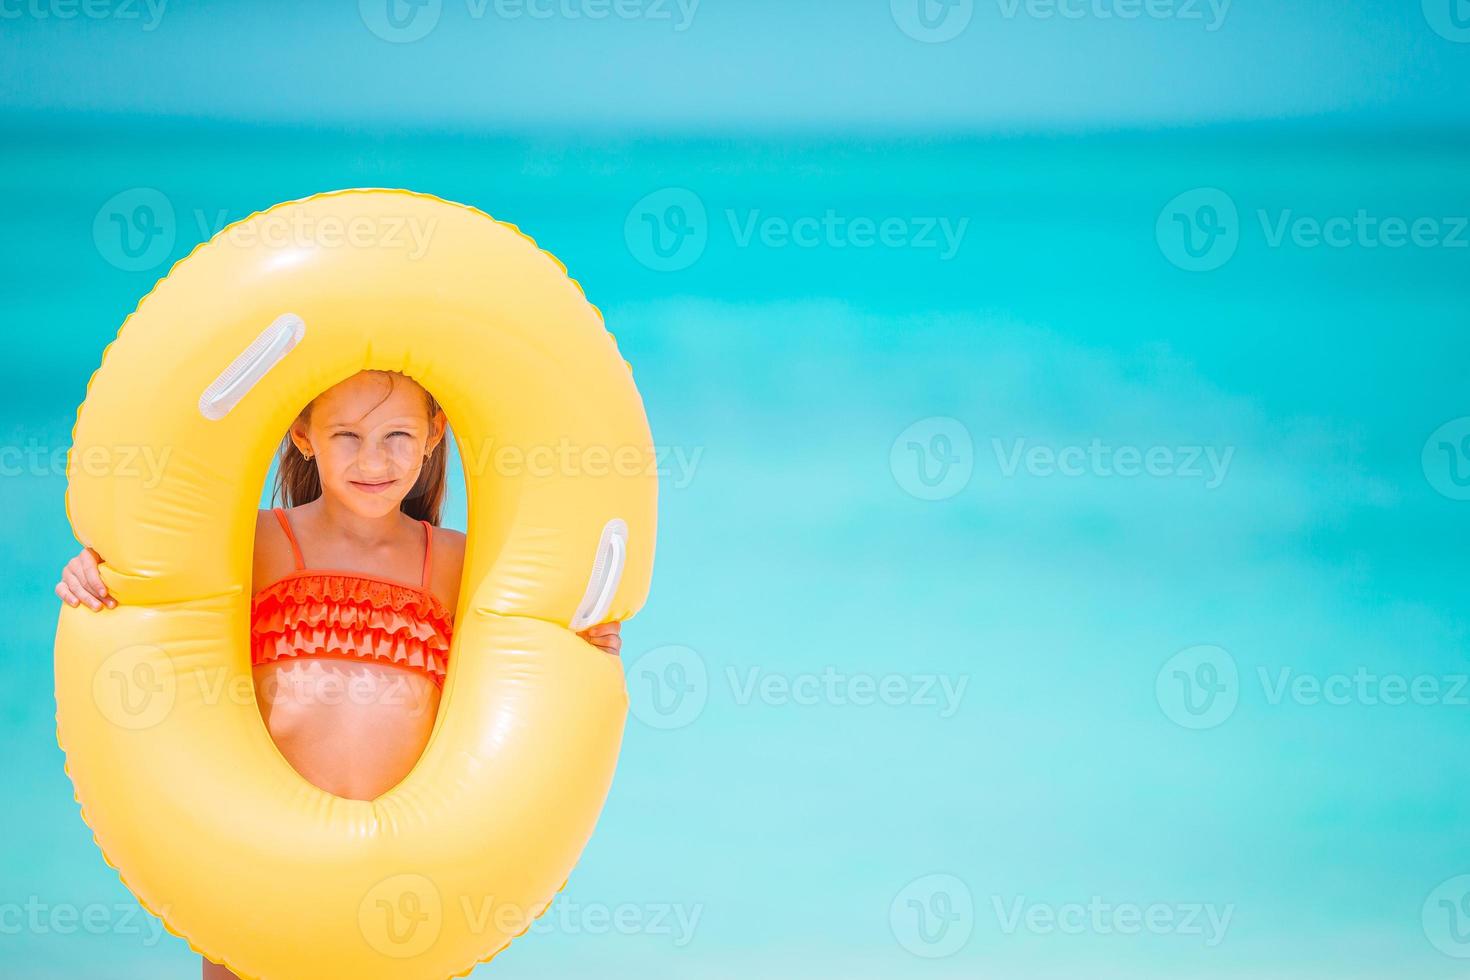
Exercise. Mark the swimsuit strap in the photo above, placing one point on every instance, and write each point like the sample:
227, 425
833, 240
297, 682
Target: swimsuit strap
301, 562
295, 548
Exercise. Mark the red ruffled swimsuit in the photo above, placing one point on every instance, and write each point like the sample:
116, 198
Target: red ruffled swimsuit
330, 613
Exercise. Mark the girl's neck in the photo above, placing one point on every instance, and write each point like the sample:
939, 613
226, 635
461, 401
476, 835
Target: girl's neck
364, 532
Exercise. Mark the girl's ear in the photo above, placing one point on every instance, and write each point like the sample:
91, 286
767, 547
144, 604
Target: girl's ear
437, 425
298, 438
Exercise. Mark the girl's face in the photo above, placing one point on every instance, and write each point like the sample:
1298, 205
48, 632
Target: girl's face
369, 436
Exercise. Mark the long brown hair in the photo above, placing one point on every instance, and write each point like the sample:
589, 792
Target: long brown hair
297, 480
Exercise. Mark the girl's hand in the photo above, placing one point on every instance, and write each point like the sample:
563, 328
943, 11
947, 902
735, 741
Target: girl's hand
80, 583
605, 637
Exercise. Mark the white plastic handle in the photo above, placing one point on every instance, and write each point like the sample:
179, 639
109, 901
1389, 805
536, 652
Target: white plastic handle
607, 574
245, 371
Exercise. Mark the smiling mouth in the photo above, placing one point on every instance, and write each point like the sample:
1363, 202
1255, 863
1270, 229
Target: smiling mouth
372, 487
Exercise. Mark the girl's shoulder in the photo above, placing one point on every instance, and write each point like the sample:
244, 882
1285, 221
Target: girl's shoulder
273, 555
450, 540
269, 534
448, 550
447, 565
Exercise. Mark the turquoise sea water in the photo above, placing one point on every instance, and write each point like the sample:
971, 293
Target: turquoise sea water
1205, 720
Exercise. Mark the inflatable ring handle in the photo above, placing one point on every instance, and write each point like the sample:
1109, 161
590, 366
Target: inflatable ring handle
607, 573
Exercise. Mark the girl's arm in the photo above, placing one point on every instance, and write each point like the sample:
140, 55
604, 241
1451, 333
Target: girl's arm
80, 583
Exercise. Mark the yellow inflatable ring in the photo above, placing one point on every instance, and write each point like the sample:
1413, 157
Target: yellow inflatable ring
189, 799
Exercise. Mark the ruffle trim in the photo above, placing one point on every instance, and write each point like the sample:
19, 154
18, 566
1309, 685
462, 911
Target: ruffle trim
328, 614
380, 594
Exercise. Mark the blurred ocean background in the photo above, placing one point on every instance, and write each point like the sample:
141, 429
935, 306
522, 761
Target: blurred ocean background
1062, 560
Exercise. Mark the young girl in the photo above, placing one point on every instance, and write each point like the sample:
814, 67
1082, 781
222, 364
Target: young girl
354, 588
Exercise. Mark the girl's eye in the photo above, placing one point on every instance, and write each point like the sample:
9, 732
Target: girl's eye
350, 435
399, 434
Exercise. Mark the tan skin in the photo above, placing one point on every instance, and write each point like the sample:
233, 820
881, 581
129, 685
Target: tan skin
354, 728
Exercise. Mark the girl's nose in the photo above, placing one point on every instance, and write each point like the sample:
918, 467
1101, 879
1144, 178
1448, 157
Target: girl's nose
373, 458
